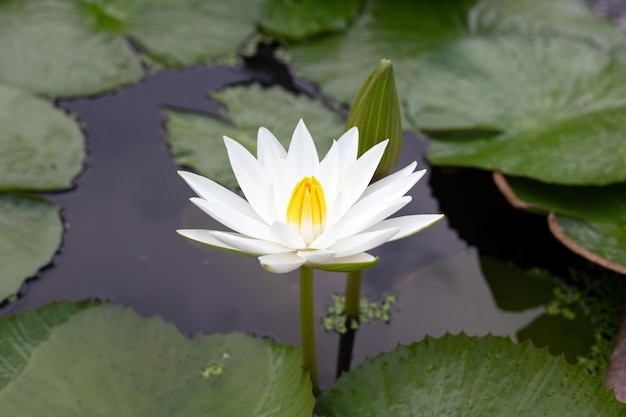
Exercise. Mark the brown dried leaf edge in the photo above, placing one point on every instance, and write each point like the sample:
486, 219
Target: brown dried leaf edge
553, 224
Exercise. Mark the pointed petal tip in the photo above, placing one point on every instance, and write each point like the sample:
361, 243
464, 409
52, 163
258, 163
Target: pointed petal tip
186, 174
352, 131
227, 140
301, 125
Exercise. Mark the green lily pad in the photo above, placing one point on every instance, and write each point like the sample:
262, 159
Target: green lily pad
69, 48
21, 335
459, 376
298, 19
108, 361
196, 140
182, 33
58, 48
407, 31
30, 234
41, 148
589, 220
599, 242
540, 108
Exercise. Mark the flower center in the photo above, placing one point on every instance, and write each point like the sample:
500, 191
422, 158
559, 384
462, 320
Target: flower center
306, 210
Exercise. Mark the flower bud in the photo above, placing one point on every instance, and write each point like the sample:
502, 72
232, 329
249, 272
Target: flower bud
376, 112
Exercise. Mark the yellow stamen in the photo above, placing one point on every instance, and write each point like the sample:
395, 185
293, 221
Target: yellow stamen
307, 208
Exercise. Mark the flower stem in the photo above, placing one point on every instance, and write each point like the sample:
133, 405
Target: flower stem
307, 327
353, 295
351, 309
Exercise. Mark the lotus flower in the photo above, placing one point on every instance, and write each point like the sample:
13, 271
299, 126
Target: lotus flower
299, 210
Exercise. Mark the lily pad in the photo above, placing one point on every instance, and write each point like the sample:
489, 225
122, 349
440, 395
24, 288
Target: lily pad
21, 335
459, 375
541, 108
108, 361
182, 33
407, 31
524, 108
41, 147
30, 234
69, 48
602, 243
196, 140
58, 48
589, 220
298, 19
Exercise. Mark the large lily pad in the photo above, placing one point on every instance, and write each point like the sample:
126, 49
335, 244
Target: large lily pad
196, 140
462, 376
108, 361
21, 335
589, 220
69, 48
406, 31
182, 33
600, 242
541, 108
41, 148
298, 19
58, 48
30, 234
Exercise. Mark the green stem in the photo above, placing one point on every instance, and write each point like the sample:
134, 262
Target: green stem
353, 295
307, 327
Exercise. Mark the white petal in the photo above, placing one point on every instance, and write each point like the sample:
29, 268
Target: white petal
348, 145
205, 236
271, 210
317, 256
362, 242
248, 245
251, 176
281, 263
302, 158
328, 238
269, 148
328, 174
355, 262
358, 258
364, 169
233, 219
210, 190
407, 225
286, 236
283, 183
356, 221
384, 182
390, 192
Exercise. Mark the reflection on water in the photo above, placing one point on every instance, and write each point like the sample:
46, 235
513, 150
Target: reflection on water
451, 295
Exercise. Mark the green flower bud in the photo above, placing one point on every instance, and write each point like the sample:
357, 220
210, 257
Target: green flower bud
376, 112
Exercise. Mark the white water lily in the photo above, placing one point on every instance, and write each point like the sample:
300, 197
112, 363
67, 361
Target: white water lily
300, 211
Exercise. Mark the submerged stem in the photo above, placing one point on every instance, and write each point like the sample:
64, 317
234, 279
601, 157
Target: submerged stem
307, 327
353, 295
351, 309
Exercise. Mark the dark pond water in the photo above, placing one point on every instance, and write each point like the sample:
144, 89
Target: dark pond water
121, 244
